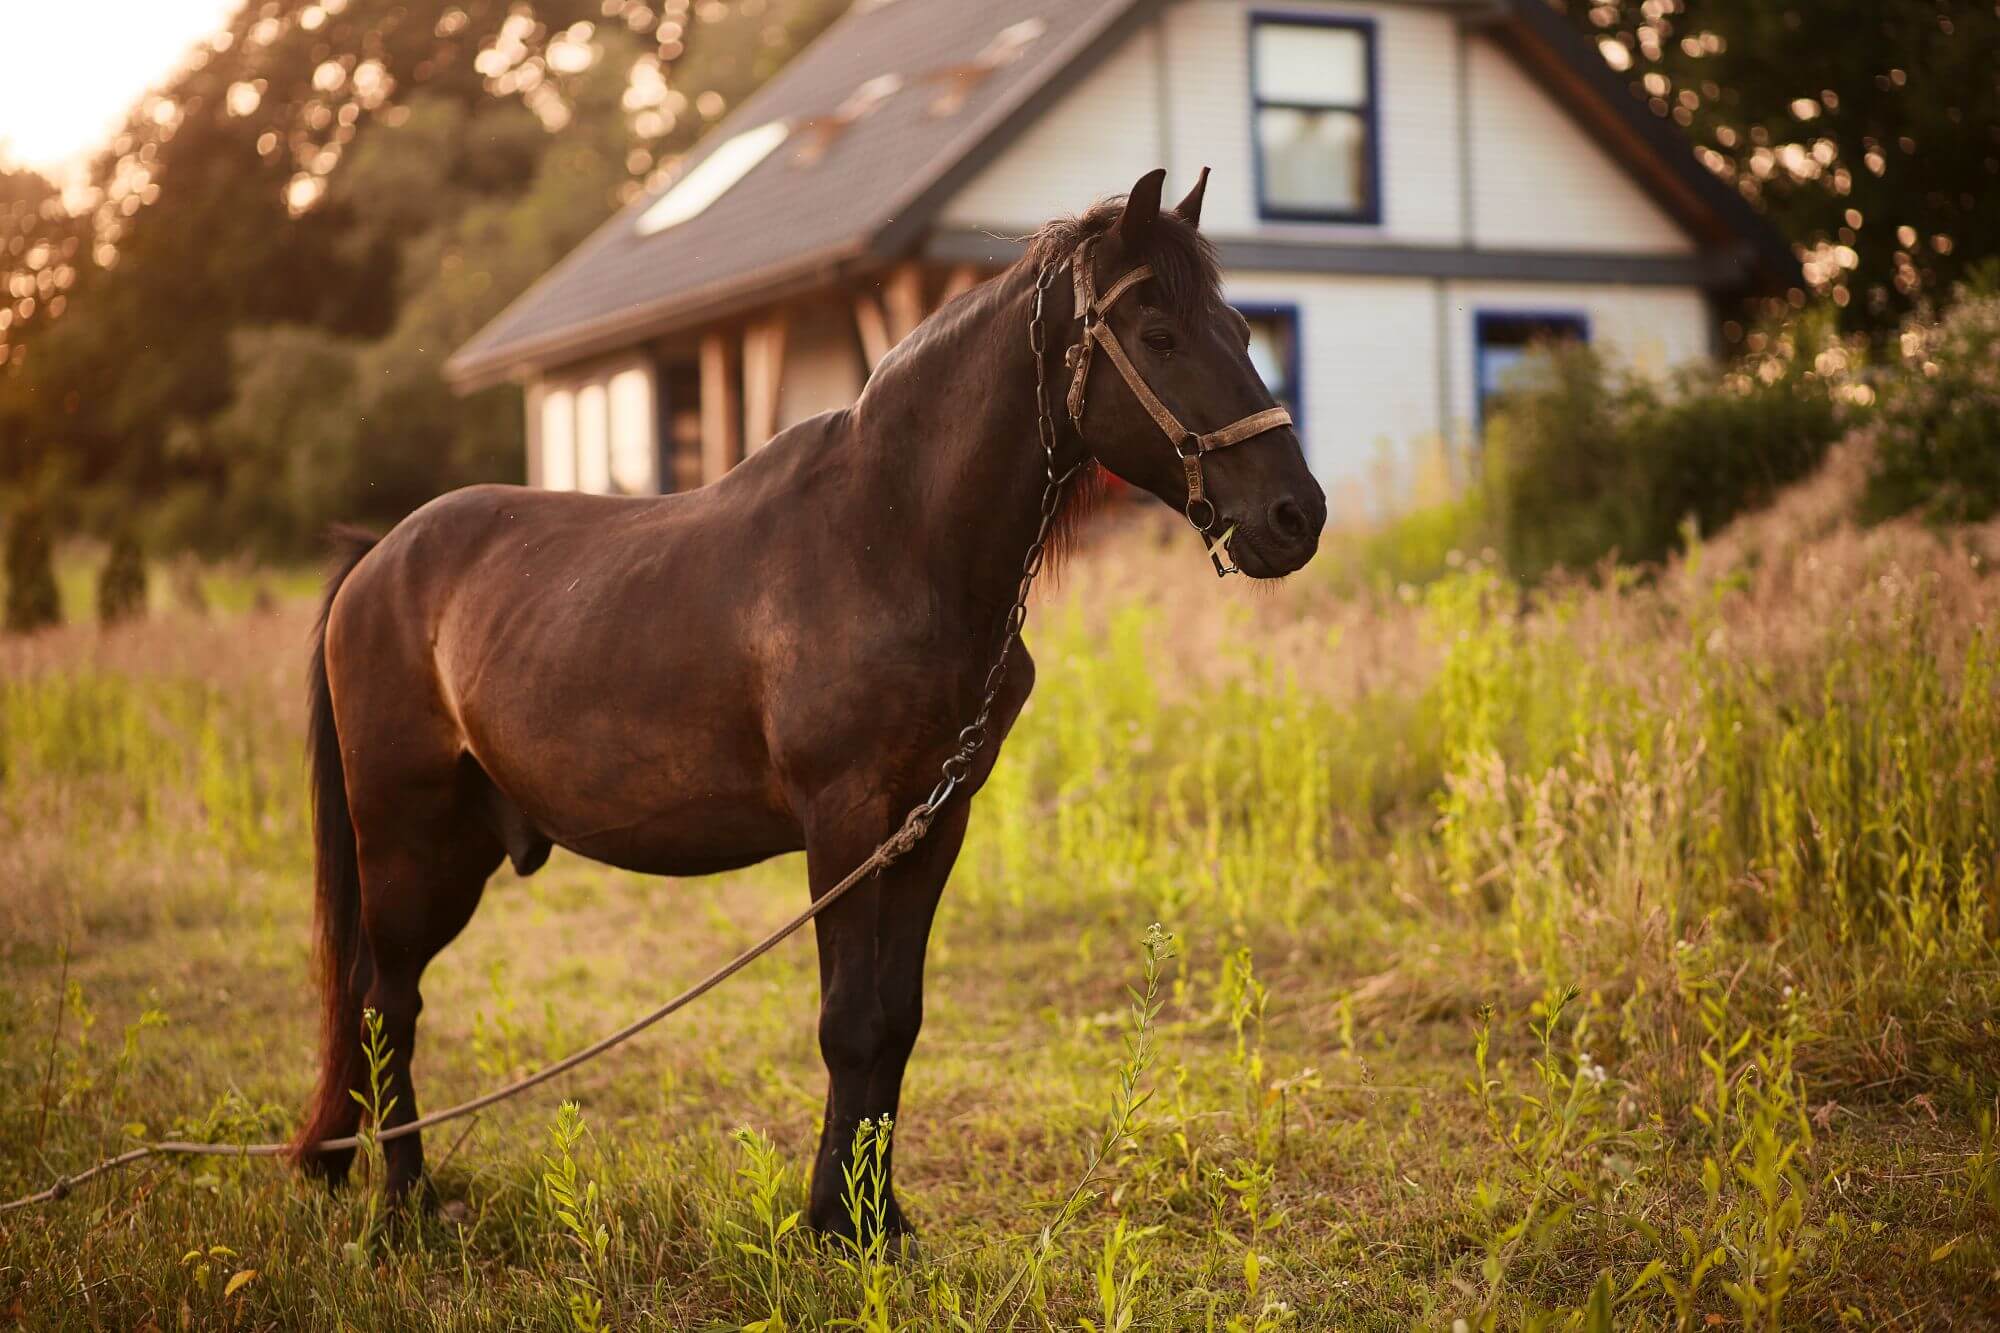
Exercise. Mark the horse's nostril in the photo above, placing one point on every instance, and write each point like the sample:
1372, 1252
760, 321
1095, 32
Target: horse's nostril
1289, 521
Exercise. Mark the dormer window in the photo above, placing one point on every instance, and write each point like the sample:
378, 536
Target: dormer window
1312, 83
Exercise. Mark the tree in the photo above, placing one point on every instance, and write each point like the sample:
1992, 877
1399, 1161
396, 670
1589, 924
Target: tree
32, 599
121, 584
241, 325
1869, 130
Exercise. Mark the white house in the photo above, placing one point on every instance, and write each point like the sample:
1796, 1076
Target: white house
1405, 194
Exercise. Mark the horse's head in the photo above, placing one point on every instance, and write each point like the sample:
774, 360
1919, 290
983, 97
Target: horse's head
1206, 443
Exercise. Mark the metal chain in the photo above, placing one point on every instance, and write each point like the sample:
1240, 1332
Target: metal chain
974, 735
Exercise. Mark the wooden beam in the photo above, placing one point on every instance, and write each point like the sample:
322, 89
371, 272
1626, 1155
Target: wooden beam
763, 375
533, 401
875, 341
721, 443
903, 299
962, 279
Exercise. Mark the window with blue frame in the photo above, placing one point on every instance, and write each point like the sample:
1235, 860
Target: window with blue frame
1312, 87
1274, 352
1503, 340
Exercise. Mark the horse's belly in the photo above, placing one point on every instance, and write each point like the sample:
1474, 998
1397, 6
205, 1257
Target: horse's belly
693, 838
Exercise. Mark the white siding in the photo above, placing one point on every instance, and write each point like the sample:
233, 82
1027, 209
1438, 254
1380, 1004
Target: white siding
596, 428
558, 439
635, 445
1653, 329
1368, 357
1377, 401
1208, 82
1537, 180
1540, 183
822, 368
1115, 126
1103, 134
1386, 365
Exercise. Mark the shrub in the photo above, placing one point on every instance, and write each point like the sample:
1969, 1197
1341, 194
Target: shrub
1937, 438
121, 584
32, 599
1584, 460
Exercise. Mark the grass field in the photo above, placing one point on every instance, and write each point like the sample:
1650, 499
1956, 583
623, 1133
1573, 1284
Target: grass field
1620, 956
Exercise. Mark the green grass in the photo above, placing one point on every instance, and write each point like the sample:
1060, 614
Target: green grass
1620, 957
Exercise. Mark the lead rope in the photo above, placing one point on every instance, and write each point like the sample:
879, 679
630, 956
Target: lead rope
954, 771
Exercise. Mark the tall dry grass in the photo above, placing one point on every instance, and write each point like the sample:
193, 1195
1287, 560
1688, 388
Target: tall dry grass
1616, 953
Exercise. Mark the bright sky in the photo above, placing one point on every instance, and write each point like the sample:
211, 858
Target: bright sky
70, 69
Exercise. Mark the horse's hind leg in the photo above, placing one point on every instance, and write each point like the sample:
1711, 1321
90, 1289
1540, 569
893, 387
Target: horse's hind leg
419, 886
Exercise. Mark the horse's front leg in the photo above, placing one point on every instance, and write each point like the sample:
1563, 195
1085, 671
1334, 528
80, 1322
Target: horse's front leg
871, 971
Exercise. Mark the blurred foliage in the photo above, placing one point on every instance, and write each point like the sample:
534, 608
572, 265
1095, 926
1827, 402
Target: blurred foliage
32, 600
121, 584
1937, 435
242, 317
1585, 459
1868, 130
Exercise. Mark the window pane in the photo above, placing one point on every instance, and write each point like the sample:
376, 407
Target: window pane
1497, 366
593, 441
1313, 160
1298, 62
1271, 354
558, 441
1507, 343
632, 450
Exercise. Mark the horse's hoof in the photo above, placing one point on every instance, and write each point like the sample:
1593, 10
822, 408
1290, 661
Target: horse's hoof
416, 1198
903, 1247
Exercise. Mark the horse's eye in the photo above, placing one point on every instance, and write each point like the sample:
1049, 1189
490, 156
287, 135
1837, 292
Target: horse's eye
1159, 340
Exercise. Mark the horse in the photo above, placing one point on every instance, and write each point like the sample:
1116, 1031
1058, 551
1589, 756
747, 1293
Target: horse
690, 683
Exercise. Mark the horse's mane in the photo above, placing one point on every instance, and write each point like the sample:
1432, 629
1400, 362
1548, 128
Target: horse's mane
1186, 280
1186, 277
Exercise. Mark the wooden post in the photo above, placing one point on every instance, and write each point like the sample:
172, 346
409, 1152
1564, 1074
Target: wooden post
721, 444
533, 399
763, 375
903, 296
875, 341
961, 280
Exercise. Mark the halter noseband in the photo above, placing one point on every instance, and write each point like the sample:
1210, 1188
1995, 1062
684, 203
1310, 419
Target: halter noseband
1188, 445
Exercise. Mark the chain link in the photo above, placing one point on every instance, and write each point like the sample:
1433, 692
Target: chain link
973, 736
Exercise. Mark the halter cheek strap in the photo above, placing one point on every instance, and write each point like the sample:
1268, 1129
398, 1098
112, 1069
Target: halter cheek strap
1092, 309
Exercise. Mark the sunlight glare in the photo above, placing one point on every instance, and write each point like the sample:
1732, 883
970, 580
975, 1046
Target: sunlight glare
70, 71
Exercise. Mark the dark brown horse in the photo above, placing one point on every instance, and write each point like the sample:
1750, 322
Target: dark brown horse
685, 684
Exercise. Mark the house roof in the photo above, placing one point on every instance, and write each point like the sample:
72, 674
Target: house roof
863, 174
789, 223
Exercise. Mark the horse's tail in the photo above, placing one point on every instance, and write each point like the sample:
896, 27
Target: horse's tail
342, 962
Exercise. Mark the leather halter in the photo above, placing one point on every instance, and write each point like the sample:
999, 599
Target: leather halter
1189, 445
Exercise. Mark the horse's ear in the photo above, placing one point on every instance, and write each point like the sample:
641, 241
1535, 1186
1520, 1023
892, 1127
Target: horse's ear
1189, 208
1142, 207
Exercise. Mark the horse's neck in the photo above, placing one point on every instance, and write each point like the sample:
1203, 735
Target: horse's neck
949, 417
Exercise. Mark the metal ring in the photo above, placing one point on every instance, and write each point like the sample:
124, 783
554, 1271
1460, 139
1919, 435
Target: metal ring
1207, 504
